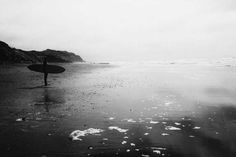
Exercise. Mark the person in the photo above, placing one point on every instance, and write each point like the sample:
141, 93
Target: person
45, 71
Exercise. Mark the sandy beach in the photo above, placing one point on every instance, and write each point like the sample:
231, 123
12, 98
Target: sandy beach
122, 109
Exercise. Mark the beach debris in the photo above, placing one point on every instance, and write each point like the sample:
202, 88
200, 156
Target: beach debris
78, 133
123, 142
171, 128
165, 134
117, 128
197, 127
153, 122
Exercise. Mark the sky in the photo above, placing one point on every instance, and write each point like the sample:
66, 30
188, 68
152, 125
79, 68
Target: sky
122, 30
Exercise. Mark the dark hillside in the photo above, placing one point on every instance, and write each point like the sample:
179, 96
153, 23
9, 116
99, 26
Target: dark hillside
13, 55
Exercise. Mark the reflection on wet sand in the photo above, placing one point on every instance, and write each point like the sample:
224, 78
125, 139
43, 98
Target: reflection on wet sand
49, 98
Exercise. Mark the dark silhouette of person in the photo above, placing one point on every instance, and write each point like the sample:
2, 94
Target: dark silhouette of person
45, 71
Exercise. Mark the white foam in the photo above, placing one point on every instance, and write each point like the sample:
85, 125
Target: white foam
19, 119
131, 121
149, 128
168, 103
165, 134
157, 151
176, 123
123, 142
154, 122
197, 127
172, 128
111, 118
159, 148
117, 128
141, 120
132, 144
78, 133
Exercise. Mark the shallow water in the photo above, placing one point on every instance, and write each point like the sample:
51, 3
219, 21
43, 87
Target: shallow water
138, 109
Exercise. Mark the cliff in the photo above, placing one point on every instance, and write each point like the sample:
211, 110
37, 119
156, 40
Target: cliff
13, 55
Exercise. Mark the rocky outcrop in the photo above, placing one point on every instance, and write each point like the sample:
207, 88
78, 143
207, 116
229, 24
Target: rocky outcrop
13, 55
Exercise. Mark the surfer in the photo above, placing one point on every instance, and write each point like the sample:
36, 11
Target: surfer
44, 71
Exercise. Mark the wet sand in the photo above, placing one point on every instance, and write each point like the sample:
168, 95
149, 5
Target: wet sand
138, 109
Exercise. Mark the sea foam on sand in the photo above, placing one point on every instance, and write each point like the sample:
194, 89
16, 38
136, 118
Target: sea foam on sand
117, 128
78, 133
172, 128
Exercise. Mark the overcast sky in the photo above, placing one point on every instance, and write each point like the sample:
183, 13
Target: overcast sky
103, 30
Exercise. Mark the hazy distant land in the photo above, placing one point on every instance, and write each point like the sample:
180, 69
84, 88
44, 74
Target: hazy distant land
14, 55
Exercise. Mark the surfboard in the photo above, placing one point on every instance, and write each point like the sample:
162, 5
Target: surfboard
54, 69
